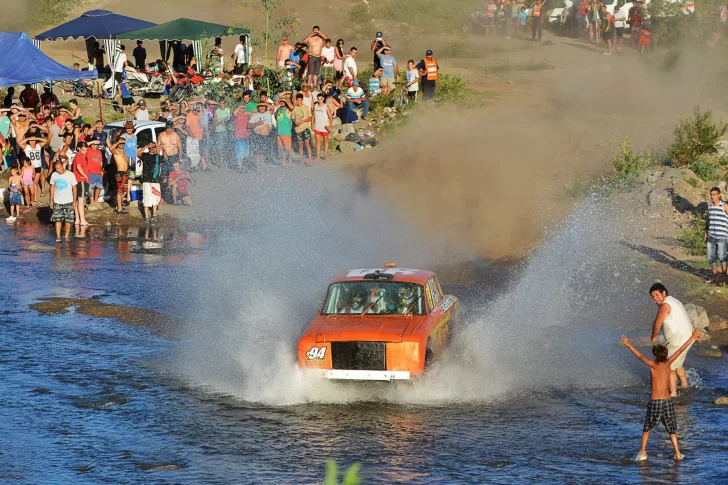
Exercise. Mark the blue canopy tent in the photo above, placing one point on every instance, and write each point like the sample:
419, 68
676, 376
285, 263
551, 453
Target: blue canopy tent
21, 62
97, 25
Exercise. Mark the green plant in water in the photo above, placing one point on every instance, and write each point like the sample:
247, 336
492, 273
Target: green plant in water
351, 475
696, 136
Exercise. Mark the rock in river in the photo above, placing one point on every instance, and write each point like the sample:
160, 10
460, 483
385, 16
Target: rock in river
721, 401
697, 315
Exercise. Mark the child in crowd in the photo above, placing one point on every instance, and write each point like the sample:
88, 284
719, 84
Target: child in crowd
523, 18
15, 183
413, 80
28, 173
126, 98
178, 180
660, 408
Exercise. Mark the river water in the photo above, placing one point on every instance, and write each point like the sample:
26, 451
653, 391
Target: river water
88, 401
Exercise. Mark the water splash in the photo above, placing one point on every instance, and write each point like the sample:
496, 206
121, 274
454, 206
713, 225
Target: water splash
547, 331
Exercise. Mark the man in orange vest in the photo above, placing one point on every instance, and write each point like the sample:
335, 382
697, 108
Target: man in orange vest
537, 20
428, 69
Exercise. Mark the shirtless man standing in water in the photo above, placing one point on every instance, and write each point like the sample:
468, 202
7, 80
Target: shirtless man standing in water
122, 172
284, 52
170, 145
315, 41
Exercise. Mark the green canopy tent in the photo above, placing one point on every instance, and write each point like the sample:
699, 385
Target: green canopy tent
187, 29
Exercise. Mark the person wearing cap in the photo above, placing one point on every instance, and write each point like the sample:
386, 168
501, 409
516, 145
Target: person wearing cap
390, 69
429, 70
377, 45
139, 111
261, 141
356, 98
284, 52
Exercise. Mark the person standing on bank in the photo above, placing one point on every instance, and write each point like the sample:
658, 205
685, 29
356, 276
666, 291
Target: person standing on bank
537, 20
716, 235
429, 70
676, 328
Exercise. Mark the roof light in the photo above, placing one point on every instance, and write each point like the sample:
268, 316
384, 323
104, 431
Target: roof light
390, 265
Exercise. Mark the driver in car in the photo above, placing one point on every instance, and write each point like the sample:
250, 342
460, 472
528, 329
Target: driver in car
356, 302
405, 299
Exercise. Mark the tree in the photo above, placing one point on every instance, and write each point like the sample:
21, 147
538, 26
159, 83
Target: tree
276, 26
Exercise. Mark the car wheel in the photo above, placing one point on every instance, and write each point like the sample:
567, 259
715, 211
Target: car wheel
428, 355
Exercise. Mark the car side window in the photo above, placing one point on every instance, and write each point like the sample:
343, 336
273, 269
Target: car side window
144, 137
434, 291
157, 132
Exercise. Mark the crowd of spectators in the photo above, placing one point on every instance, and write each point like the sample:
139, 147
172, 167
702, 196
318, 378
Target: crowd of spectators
240, 125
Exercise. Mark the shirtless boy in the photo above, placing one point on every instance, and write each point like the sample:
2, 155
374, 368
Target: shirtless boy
122, 172
315, 41
284, 52
660, 408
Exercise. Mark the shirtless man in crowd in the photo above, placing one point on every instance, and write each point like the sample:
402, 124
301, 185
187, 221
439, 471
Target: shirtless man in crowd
122, 172
170, 145
315, 41
284, 52
20, 119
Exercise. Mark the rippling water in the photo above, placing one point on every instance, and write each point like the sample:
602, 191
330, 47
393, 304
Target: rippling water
86, 400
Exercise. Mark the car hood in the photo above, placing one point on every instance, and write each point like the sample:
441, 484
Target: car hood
347, 328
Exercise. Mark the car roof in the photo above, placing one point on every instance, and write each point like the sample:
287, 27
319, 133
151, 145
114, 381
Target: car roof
137, 124
398, 274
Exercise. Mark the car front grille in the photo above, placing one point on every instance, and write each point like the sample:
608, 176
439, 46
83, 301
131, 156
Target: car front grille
358, 355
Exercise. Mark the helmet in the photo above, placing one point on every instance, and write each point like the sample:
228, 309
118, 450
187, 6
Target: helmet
406, 296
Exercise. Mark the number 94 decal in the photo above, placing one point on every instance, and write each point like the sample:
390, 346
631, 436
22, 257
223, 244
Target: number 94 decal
316, 353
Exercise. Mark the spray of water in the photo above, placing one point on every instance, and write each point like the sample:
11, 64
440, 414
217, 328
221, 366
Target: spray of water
256, 298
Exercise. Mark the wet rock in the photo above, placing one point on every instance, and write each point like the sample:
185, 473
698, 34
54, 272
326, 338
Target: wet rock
717, 323
697, 315
657, 198
721, 401
348, 147
712, 352
39, 247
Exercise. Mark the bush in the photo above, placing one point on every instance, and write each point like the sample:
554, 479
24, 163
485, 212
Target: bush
696, 136
628, 165
692, 237
707, 167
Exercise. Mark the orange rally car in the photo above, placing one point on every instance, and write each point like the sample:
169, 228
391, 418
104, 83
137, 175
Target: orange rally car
379, 324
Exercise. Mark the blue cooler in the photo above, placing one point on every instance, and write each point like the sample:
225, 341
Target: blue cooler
136, 193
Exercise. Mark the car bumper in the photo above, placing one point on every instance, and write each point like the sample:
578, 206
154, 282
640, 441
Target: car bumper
366, 375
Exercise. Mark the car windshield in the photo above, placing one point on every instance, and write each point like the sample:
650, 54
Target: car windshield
375, 297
